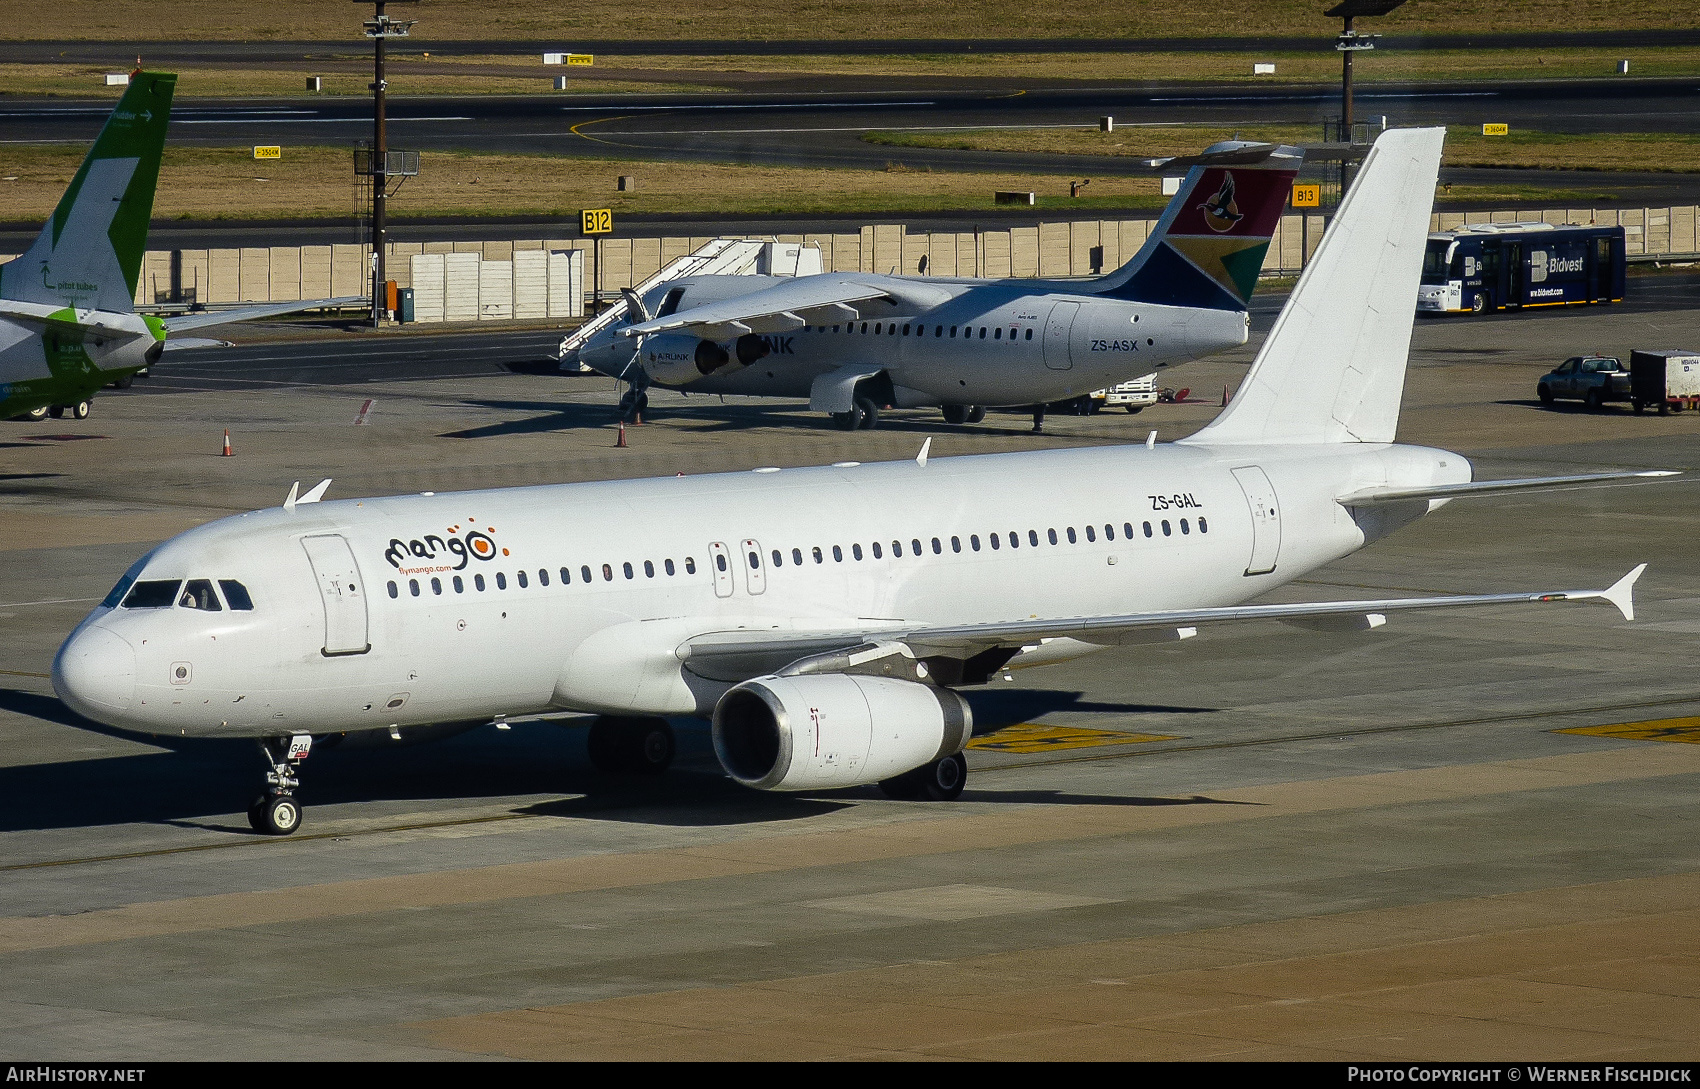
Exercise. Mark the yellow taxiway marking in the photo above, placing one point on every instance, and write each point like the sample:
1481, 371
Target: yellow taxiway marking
1658, 729
1029, 738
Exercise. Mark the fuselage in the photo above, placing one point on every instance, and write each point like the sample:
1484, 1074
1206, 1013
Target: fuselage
402, 611
59, 365
1002, 342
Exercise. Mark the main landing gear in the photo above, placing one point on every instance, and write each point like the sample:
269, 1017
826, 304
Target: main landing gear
276, 812
940, 781
864, 415
631, 746
961, 414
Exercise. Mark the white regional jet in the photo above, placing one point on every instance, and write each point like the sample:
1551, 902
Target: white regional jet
821, 617
852, 341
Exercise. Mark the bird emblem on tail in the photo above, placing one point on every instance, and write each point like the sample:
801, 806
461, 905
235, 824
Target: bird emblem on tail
1220, 211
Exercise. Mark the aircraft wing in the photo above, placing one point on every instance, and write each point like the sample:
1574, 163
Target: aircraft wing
805, 300
741, 654
44, 315
1371, 497
200, 319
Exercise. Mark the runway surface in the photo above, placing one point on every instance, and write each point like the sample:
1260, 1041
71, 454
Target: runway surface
1454, 837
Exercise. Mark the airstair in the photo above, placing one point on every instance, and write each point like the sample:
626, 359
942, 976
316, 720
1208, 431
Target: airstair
718, 257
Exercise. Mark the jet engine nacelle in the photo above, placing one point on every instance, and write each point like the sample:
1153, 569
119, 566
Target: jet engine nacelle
834, 730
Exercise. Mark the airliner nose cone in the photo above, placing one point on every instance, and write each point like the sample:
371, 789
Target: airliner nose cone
95, 673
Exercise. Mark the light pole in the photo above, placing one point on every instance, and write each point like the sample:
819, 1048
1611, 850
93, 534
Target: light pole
1350, 42
380, 28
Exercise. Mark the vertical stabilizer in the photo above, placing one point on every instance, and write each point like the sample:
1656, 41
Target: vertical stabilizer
1207, 249
90, 253
1333, 368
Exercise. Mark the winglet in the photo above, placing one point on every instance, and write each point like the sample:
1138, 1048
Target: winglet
1622, 592
921, 458
317, 493
289, 500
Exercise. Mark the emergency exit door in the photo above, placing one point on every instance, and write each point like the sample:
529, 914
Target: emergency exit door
342, 592
1059, 327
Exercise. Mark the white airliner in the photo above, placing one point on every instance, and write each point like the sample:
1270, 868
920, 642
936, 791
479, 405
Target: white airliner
853, 341
821, 617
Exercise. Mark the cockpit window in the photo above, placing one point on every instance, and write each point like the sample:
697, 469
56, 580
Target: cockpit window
153, 594
236, 595
118, 592
198, 594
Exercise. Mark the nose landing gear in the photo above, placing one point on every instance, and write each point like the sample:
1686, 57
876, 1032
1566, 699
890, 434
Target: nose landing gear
276, 812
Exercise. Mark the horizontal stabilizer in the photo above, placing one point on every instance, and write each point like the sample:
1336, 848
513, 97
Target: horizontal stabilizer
200, 319
45, 316
1371, 497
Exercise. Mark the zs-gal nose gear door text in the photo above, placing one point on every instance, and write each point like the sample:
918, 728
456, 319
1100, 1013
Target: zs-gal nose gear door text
343, 593
1265, 519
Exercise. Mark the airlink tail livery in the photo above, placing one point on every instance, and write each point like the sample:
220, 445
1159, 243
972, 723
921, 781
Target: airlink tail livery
853, 341
822, 618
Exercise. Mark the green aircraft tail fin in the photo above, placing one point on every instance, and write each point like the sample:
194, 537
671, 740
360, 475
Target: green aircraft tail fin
89, 254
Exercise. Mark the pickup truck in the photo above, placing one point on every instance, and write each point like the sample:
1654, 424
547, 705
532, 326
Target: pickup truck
1595, 379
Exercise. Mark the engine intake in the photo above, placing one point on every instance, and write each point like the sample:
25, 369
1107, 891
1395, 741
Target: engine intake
834, 730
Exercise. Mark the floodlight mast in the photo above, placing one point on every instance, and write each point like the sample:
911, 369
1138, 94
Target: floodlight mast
380, 28
1349, 42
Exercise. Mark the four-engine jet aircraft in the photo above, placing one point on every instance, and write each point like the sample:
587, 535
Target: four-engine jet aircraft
68, 323
821, 617
852, 341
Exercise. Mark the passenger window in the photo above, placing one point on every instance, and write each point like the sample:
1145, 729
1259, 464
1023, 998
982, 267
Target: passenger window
956, 544
412, 588
938, 330
566, 576
864, 327
1029, 335
953, 330
994, 541
584, 572
982, 332
915, 546
778, 558
797, 556
1052, 534
1071, 538
897, 549
720, 563
877, 553
856, 551
153, 594
690, 565
501, 581
1127, 530
607, 572
818, 557
625, 568
1166, 530
648, 569
1203, 526
198, 594
1109, 532
236, 595
1185, 529
460, 587
905, 328
393, 591
1033, 537
755, 560
543, 576
667, 565
1091, 534
437, 586
478, 583
1014, 539
997, 334
937, 549
837, 554
522, 580
1148, 529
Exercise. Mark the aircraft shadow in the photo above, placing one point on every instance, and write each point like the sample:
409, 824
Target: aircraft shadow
995, 708
1061, 797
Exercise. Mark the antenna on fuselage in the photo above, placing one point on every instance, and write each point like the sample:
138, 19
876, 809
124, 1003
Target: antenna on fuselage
921, 458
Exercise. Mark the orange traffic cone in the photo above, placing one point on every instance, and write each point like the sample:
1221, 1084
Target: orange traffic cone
226, 453
621, 444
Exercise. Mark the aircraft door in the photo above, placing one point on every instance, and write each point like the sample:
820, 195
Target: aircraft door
720, 560
1265, 519
1058, 328
343, 593
755, 578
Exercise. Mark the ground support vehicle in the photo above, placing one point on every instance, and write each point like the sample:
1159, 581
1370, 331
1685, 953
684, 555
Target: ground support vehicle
1595, 379
1498, 266
1668, 379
